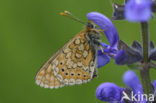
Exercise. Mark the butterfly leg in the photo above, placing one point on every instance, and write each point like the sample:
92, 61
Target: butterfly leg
101, 47
95, 74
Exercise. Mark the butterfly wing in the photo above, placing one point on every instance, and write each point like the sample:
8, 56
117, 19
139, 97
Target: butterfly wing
75, 63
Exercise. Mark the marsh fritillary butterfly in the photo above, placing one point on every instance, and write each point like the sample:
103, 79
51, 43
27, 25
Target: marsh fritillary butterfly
74, 63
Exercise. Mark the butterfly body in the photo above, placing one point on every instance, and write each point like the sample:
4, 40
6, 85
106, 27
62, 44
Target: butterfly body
75, 63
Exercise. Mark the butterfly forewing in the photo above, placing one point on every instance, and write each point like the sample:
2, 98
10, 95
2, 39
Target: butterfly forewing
75, 63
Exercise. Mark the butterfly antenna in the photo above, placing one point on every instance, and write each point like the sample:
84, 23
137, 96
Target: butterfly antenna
69, 15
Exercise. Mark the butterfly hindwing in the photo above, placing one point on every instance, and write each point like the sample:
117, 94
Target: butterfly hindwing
45, 78
75, 63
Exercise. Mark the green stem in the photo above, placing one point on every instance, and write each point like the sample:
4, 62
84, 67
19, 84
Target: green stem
145, 40
146, 81
145, 73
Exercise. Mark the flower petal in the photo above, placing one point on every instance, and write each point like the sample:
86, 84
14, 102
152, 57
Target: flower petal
138, 10
121, 57
127, 55
102, 59
118, 12
105, 24
132, 81
109, 92
104, 45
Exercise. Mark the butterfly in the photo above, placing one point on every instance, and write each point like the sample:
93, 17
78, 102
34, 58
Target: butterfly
75, 63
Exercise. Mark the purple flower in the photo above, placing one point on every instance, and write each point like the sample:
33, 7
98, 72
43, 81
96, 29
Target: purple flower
111, 33
110, 92
138, 10
132, 81
127, 55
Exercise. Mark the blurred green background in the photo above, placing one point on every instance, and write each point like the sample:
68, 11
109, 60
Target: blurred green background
32, 30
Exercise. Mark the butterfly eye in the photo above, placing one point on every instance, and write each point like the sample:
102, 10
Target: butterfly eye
91, 25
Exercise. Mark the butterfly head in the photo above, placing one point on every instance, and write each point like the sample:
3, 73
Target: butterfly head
90, 25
